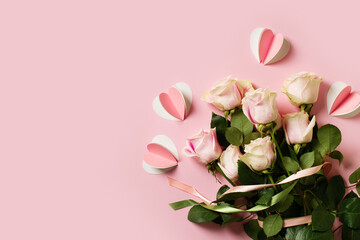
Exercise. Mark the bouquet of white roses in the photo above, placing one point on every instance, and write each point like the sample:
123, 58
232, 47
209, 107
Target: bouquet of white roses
276, 165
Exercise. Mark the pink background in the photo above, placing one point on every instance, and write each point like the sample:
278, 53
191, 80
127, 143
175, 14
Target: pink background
77, 79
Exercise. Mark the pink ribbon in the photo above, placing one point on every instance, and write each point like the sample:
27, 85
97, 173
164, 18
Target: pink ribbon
290, 222
188, 189
247, 188
300, 174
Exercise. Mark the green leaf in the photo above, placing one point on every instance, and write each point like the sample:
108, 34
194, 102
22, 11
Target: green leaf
355, 176
232, 220
291, 165
252, 136
307, 160
225, 217
219, 123
319, 147
335, 191
247, 176
298, 233
337, 155
310, 180
322, 220
285, 203
314, 203
252, 229
283, 194
183, 204
261, 235
241, 122
234, 136
350, 212
228, 209
321, 187
318, 159
272, 225
329, 136
198, 214
358, 189
265, 199
351, 194
292, 153
221, 191
328, 235
350, 234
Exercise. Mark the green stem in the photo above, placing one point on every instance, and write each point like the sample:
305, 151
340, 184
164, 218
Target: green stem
278, 149
272, 181
338, 228
304, 198
247, 217
226, 115
351, 185
222, 173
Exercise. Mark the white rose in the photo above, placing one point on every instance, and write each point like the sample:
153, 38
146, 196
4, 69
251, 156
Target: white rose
259, 154
302, 88
260, 106
227, 94
229, 162
298, 129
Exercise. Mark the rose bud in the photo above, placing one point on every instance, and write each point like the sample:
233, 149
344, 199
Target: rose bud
302, 88
227, 94
203, 146
298, 129
260, 106
259, 154
229, 162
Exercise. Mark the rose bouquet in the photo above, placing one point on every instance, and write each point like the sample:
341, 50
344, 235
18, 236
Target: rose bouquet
276, 165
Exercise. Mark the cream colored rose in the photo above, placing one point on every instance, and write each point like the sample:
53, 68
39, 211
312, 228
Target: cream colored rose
260, 106
259, 154
298, 129
302, 88
227, 94
229, 162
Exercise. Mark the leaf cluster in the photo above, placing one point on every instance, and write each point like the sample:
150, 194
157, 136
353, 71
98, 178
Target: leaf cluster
314, 195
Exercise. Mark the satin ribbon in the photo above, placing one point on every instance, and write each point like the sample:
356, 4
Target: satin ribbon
291, 222
188, 189
247, 188
300, 174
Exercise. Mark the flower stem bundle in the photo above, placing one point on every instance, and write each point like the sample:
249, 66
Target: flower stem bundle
253, 145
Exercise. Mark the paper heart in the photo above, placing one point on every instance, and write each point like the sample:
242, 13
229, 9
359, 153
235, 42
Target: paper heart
176, 104
341, 102
267, 47
162, 155
159, 157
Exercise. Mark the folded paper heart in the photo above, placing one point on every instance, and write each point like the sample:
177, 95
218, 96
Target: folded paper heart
162, 155
159, 157
341, 102
175, 104
267, 47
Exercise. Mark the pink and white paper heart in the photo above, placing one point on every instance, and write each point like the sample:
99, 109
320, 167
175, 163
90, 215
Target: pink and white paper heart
162, 155
341, 102
267, 47
175, 104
